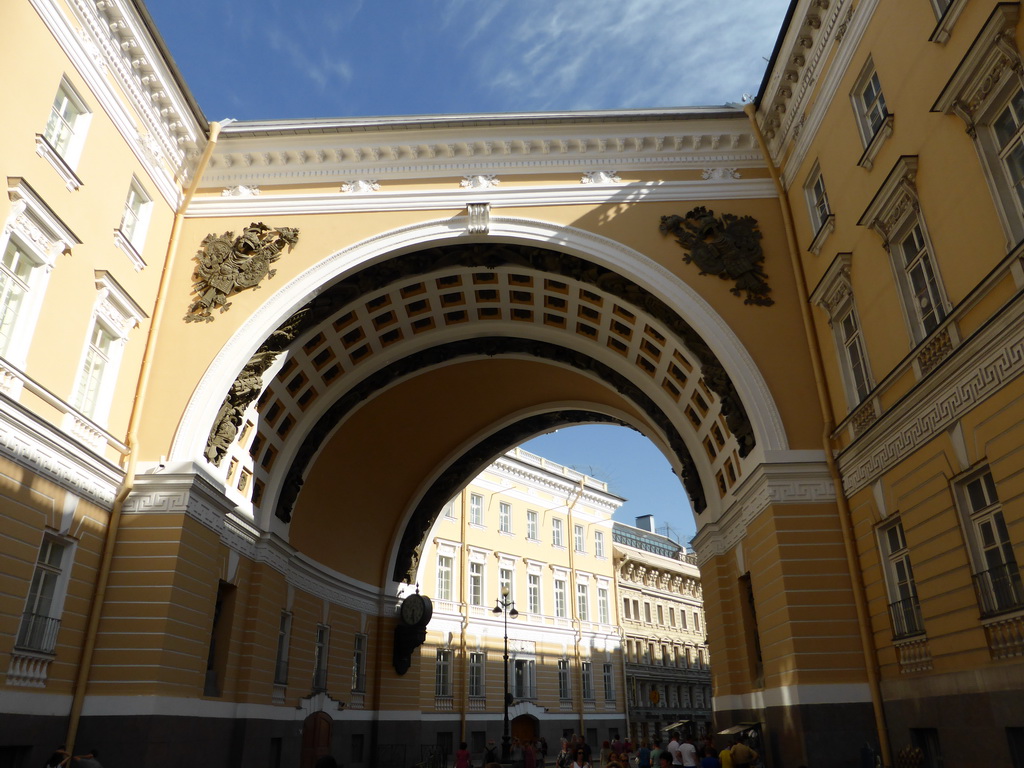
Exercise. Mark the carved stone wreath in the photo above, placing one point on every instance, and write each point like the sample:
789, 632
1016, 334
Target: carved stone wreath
728, 246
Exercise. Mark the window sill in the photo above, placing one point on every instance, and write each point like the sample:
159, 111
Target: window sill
121, 241
867, 160
48, 153
827, 227
944, 28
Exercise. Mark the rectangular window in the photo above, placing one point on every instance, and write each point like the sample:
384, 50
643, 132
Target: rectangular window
671, 617
603, 613
564, 687
532, 525
320, 646
560, 597
696, 622
904, 608
817, 200
135, 218
997, 578
443, 673
449, 510
921, 289
505, 517
444, 577
284, 631
359, 663
476, 674
533, 593
647, 613
588, 680
636, 610
15, 270
557, 539
577, 535
524, 679
41, 620
65, 128
505, 581
476, 583
476, 509
661, 615
625, 608
94, 369
582, 602
598, 543
609, 682
869, 103
1009, 130
853, 351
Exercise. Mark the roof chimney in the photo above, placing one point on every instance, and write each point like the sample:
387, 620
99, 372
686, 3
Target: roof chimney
645, 522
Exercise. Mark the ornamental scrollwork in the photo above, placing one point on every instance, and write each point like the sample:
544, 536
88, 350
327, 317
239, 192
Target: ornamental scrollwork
728, 246
226, 264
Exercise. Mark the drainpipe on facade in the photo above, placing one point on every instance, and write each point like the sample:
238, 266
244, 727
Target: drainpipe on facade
825, 403
622, 642
130, 457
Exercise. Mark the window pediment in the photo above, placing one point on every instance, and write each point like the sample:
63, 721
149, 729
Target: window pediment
895, 199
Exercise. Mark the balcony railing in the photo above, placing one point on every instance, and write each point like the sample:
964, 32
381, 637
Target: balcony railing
38, 633
999, 589
906, 618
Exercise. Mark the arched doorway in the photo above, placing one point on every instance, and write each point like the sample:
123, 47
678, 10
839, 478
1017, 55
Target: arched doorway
316, 738
525, 729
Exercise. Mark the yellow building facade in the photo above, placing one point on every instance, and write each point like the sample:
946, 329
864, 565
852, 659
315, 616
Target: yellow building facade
542, 531
245, 367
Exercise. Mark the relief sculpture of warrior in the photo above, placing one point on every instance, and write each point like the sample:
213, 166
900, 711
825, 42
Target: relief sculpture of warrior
728, 246
226, 264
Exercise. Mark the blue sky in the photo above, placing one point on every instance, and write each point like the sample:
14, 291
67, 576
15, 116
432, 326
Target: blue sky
264, 59
274, 59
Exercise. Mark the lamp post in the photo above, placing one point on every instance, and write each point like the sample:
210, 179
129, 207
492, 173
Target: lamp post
506, 606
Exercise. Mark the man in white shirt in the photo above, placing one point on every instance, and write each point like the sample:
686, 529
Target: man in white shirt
688, 753
673, 749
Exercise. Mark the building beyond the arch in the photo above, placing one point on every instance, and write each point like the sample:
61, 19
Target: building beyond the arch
243, 367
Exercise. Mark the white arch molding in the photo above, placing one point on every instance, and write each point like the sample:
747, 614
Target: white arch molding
201, 411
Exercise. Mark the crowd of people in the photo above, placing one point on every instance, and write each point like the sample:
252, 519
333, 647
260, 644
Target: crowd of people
574, 752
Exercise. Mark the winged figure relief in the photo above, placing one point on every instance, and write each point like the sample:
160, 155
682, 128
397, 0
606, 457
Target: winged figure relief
728, 246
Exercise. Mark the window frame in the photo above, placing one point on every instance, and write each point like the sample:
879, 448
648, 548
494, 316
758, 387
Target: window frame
557, 532
281, 658
445, 576
504, 517
904, 605
132, 239
599, 550
532, 525
822, 219
443, 678
834, 294
476, 685
65, 160
533, 593
561, 598
1004, 592
579, 538
874, 119
476, 583
360, 647
39, 626
582, 601
476, 509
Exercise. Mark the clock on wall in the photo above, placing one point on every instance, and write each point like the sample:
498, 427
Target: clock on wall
411, 630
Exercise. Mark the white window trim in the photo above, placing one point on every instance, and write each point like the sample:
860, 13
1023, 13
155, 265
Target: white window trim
823, 226
118, 313
980, 87
66, 163
44, 237
872, 137
132, 246
893, 213
834, 294
945, 19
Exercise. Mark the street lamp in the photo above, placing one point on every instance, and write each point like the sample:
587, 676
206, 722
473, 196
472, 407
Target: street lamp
506, 606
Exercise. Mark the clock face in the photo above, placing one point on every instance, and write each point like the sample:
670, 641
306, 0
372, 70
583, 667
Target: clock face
412, 609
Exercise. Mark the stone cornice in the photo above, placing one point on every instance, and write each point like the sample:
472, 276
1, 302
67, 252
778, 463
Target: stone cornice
496, 197
36, 445
555, 484
194, 495
976, 370
113, 45
803, 482
476, 144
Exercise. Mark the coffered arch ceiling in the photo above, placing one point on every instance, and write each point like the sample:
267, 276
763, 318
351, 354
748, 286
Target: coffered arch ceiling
389, 322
